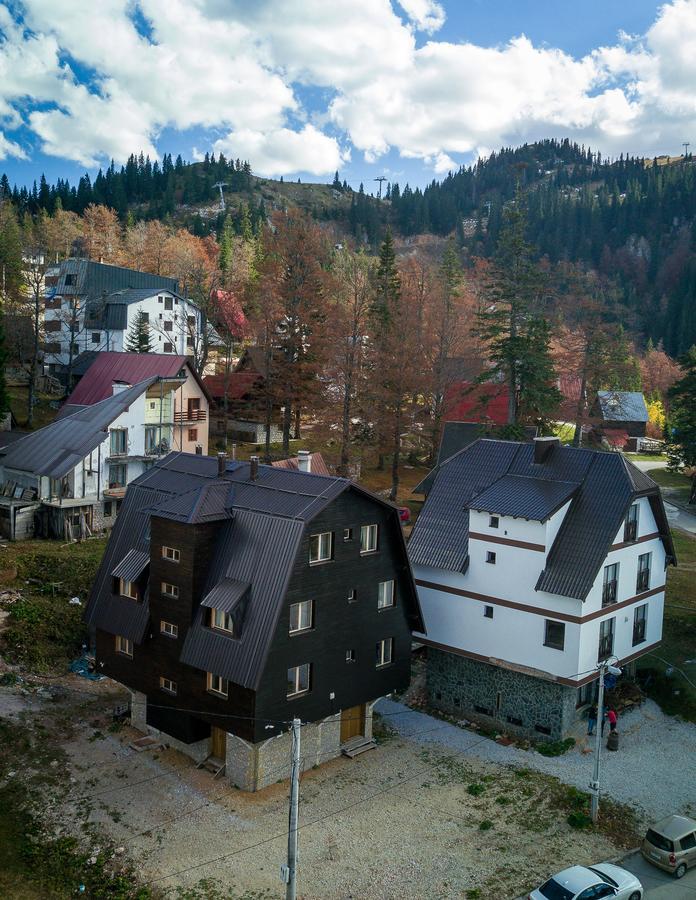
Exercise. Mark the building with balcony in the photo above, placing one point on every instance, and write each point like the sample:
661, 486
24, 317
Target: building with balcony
68, 479
533, 563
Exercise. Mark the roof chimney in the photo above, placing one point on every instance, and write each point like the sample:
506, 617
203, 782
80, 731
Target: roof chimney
543, 447
253, 468
304, 460
222, 463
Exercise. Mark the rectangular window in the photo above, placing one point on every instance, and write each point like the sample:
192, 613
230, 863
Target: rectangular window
193, 434
167, 685
606, 639
189, 342
128, 589
385, 594
96, 337
117, 475
368, 538
488, 612
151, 433
144, 316
610, 584
631, 524
385, 652
168, 325
640, 622
169, 629
168, 348
352, 595
124, 646
171, 553
490, 557
350, 656
298, 680
300, 616
217, 685
347, 534
107, 509
321, 547
170, 590
168, 303
643, 579
119, 441
221, 620
493, 522
554, 634
69, 280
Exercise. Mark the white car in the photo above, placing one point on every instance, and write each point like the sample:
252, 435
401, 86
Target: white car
590, 883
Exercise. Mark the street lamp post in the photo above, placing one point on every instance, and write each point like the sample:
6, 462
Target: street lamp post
603, 667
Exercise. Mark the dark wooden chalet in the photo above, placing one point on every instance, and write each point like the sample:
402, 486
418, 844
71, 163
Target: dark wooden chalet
234, 596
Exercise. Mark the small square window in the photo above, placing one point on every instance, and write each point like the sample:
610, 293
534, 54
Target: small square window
171, 553
168, 348
169, 629
554, 634
124, 646
193, 434
168, 326
167, 685
493, 522
169, 590
347, 534
490, 557
352, 595
350, 656
488, 612
217, 685
96, 337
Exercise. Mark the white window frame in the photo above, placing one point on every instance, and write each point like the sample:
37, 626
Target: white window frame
350, 656
167, 685
296, 679
369, 536
347, 534
324, 543
304, 614
386, 594
172, 554
167, 589
385, 653
124, 646
221, 620
217, 685
128, 589
169, 629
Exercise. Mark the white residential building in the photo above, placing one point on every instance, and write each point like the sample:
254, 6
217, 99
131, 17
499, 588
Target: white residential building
533, 562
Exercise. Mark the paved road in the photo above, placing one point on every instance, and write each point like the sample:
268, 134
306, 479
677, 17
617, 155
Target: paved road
677, 517
658, 885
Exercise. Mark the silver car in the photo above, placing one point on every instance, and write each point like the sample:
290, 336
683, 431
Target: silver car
671, 845
590, 883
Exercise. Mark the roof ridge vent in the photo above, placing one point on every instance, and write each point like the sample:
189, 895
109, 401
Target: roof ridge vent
543, 447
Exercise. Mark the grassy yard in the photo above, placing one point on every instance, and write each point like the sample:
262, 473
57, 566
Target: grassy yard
674, 693
43, 630
44, 413
675, 485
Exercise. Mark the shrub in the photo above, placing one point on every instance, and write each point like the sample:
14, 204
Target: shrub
475, 790
555, 748
486, 825
578, 819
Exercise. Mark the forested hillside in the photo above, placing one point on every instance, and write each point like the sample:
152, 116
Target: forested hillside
631, 220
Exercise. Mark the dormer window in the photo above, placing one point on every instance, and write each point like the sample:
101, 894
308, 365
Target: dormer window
128, 589
221, 620
631, 524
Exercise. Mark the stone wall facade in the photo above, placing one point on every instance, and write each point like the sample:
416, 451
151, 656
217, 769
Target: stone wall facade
501, 698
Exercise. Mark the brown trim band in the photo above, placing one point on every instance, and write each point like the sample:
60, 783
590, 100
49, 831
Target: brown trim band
534, 673
640, 540
525, 545
537, 610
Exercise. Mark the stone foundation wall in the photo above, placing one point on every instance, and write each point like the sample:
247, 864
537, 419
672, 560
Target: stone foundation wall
501, 698
197, 751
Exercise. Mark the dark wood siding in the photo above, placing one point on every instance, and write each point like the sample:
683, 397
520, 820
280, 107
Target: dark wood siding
338, 624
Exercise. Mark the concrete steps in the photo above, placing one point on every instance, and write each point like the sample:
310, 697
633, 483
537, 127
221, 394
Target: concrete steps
357, 745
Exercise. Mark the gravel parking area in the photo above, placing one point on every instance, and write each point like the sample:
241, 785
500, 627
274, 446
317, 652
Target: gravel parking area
654, 769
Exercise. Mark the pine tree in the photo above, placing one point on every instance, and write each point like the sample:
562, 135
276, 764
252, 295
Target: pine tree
139, 339
681, 428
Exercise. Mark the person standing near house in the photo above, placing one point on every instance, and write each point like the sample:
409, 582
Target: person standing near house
592, 719
613, 719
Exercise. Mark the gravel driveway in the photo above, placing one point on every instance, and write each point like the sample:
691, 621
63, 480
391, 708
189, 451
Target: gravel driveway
654, 769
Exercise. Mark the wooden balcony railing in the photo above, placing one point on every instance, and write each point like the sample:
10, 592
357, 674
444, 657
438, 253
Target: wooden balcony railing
189, 415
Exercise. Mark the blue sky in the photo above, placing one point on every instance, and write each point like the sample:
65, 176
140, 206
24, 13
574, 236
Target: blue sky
408, 89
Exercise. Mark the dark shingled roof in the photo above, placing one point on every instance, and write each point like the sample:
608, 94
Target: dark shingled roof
601, 487
57, 448
524, 497
253, 557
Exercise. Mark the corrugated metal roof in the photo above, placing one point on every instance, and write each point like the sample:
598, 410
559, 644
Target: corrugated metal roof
526, 498
93, 279
209, 503
318, 466
56, 448
226, 594
622, 406
601, 485
132, 565
122, 616
107, 367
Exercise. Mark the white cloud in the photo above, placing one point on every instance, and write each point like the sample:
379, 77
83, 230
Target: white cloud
239, 68
426, 15
10, 148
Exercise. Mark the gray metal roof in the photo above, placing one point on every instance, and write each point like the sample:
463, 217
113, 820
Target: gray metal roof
57, 448
92, 279
226, 594
622, 406
601, 485
524, 497
132, 565
209, 503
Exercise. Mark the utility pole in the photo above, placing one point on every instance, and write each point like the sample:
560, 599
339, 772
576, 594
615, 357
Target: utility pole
603, 667
289, 874
380, 180
220, 185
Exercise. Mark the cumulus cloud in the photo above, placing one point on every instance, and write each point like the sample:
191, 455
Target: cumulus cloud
92, 83
10, 148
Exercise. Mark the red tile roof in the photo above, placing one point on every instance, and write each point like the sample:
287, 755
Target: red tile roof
239, 384
318, 466
465, 402
108, 366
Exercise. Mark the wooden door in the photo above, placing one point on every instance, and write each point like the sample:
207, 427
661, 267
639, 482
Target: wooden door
352, 723
218, 743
